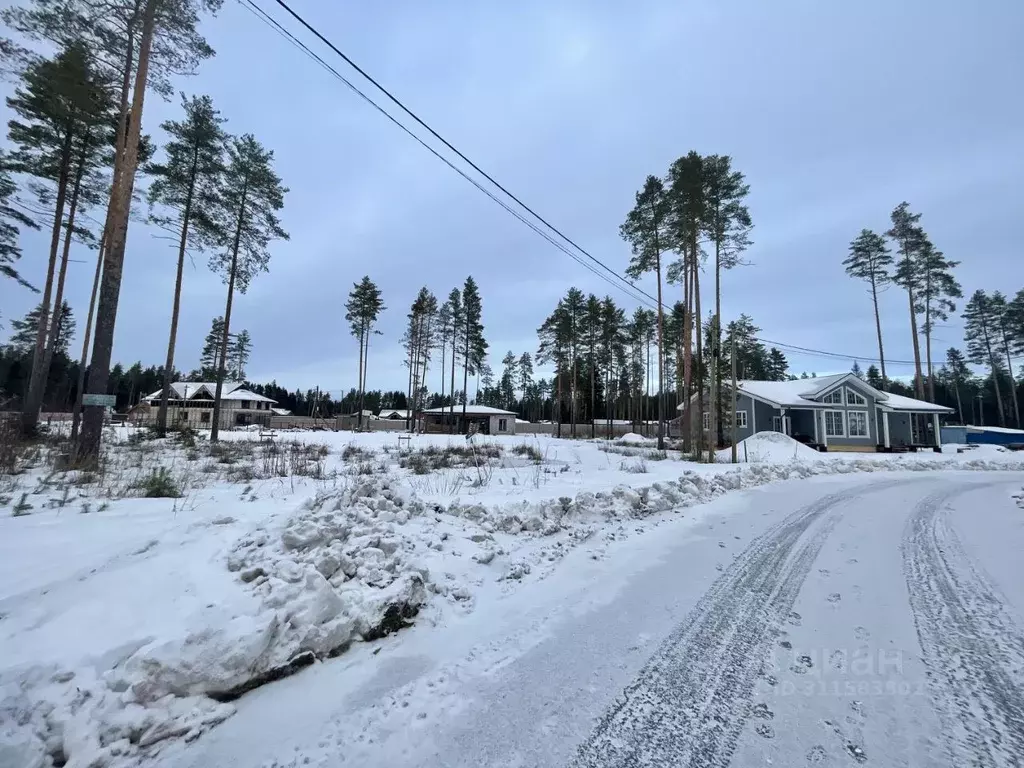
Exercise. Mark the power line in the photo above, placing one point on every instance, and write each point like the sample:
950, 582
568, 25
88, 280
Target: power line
444, 141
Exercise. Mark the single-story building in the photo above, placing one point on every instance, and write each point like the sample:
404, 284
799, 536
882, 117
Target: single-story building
191, 402
395, 414
839, 412
982, 435
489, 421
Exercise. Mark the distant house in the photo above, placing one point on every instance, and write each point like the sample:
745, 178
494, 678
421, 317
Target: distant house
983, 435
489, 421
394, 414
191, 402
840, 412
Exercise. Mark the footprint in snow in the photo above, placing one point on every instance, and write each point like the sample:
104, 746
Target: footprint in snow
765, 731
817, 754
762, 712
721, 544
856, 753
719, 567
835, 597
786, 644
803, 663
852, 561
857, 707
824, 572
794, 618
861, 633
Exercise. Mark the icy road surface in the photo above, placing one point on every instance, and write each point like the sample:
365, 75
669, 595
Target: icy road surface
835, 622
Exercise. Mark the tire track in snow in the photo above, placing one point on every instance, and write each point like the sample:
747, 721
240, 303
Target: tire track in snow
973, 649
692, 699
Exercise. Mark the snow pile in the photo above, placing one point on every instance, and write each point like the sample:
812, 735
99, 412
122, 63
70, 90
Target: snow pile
771, 447
632, 438
341, 569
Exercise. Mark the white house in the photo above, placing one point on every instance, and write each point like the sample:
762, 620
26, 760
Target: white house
191, 402
489, 421
394, 414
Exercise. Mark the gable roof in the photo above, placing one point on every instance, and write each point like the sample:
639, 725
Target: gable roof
803, 393
231, 390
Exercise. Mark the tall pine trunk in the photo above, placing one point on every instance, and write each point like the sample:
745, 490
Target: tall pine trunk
76, 412
687, 349
698, 360
593, 394
366, 364
58, 298
918, 382
37, 379
995, 375
959, 405
1013, 383
878, 330
465, 375
226, 334
123, 185
165, 393
451, 409
715, 374
661, 360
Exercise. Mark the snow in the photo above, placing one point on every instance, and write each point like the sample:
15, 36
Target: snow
473, 410
770, 447
632, 438
129, 625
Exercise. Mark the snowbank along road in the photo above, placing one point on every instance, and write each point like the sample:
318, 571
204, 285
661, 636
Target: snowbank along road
836, 621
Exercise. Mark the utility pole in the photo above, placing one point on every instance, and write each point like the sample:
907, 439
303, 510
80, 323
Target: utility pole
732, 355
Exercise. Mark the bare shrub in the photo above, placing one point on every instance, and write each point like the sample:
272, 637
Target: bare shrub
529, 451
638, 467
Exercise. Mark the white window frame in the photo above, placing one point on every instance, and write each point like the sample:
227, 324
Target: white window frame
829, 398
741, 419
776, 423
853, 397
867, 425
503, 425
842, 423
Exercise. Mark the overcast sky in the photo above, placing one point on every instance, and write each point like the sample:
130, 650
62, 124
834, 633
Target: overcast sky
835, 112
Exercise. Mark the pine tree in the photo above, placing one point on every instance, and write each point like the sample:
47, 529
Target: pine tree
455, 306
444, 334
646, 230
555, 336
419, 340
870, 260
857, 371
62, 108
613, 324
138, 37
909, 238
688, 214
474, 347
363, 307
209, 357
241, 349
187, 183
981, 329
23, 336
778, 366
251, 196
1006, 341
727, 224
509, 376
525, 382
592, 328
10, 220
938, 288
959, 374
874, 377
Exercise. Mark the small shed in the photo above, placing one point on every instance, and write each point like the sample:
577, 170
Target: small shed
971, 435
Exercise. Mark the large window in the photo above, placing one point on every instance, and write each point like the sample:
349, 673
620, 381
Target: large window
707, 420
835, 397
503, 425
835, 425
858, 423
855, 398
741, 419
776, 423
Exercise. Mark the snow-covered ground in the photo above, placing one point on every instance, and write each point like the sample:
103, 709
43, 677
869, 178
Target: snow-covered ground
131, 626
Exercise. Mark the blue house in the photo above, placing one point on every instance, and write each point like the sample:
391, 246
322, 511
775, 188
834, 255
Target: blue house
834, 413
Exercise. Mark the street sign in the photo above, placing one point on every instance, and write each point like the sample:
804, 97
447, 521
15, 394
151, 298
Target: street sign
108, 401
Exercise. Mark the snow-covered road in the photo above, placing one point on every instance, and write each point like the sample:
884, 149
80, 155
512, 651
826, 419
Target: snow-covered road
835, 621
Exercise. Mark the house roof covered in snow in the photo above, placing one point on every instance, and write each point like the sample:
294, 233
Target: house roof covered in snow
806, 393
473, 410
393, 413
231, 390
